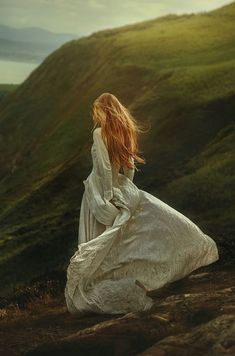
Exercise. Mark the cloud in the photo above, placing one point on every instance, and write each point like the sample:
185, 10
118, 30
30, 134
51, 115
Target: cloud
83, 17
96, 4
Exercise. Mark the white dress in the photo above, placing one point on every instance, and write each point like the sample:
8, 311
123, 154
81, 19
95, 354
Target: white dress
125, 234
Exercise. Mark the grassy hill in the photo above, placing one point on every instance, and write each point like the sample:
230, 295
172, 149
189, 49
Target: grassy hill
6, 88
176, 72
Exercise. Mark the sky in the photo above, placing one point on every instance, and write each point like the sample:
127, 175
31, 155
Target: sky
83, 17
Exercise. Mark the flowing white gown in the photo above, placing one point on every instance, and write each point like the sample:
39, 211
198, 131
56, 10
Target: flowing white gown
125, 234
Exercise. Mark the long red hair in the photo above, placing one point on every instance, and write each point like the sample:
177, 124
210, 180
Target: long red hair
119, 130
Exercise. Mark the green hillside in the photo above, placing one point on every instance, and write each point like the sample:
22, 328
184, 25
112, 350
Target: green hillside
176, 72
7, 88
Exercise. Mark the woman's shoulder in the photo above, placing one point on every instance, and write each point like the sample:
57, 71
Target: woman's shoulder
97, 131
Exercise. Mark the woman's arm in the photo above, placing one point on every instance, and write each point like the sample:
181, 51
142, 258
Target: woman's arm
103, 163
129, 172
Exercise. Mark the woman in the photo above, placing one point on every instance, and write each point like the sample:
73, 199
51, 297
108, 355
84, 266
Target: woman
126, 234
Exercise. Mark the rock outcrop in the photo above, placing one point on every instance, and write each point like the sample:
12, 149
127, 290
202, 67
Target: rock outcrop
195, 316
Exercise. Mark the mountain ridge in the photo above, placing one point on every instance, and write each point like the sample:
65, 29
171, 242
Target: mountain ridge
164, 75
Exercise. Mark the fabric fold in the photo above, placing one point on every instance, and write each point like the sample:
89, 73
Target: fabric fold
125, 234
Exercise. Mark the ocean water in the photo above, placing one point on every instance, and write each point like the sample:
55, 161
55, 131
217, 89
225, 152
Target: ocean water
15, 72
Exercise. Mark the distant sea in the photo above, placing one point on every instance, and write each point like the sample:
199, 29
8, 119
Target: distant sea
15, 72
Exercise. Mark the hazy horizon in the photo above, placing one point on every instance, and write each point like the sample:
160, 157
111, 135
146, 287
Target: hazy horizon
78, 18
83, 18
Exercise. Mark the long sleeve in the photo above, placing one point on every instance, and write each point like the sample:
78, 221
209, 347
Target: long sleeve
102, 164
129, 172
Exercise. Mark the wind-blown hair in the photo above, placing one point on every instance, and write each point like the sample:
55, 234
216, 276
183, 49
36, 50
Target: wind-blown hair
119, 129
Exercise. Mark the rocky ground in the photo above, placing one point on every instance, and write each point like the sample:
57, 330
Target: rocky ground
195, 316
